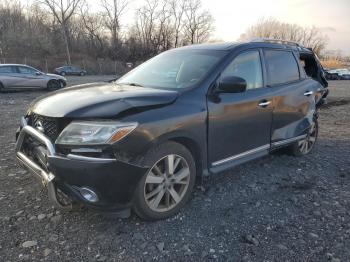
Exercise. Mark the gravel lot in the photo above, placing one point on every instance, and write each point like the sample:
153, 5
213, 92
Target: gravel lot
279, 208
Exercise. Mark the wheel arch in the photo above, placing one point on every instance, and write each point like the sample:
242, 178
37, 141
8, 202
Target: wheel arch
195, 150
190, 142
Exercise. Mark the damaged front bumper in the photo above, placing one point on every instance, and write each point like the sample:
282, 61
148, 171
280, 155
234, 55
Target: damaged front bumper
112, 181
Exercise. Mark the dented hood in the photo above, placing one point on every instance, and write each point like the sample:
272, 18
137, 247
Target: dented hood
100, 100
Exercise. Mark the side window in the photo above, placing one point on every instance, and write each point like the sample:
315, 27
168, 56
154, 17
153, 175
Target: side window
281, 66
6, 70
26, 70
247, 66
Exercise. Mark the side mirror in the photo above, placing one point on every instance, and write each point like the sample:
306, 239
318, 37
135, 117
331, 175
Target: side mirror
38, 73
232, 84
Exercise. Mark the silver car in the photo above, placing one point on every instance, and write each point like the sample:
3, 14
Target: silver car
15, 76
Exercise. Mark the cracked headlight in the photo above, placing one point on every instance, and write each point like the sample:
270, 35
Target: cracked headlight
94, 133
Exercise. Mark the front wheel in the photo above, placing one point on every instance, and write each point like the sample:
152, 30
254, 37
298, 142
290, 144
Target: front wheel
168, 184
53, 85
305, 146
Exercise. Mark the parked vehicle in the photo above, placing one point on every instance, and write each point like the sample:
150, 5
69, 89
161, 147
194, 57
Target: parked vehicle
70, 70
140, 143
332, 75
344, 73
18, 76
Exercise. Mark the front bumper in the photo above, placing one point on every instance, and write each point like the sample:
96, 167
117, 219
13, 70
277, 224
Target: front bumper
112, 180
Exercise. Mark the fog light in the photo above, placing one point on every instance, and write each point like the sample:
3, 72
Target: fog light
88, 194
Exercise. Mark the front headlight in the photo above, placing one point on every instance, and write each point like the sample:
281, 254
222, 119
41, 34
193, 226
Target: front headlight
94, 133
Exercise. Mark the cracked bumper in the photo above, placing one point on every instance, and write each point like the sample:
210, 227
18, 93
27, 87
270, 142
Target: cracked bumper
113, 181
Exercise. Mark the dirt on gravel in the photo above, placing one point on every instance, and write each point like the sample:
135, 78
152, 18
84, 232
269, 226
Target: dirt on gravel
278, 208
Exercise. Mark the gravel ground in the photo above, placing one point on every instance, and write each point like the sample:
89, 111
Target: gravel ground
279, 208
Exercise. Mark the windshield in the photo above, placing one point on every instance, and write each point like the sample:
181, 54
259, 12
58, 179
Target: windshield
174, 69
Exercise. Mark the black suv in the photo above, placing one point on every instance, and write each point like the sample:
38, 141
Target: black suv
140, 142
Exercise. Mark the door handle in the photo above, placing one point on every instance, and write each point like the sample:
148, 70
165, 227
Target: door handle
264, 103
308, 93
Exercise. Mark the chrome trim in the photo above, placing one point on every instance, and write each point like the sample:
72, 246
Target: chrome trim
264, 103
289, 140
28, 130
308, 93
252, 151
90, 159
24, 121
34, 168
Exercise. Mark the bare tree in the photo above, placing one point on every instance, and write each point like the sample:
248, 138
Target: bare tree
272, 28
94, 27
63, 10
198, 23
113, 10
178, 8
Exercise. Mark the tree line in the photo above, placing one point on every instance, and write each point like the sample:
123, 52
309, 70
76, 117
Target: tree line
71, 29
96, 32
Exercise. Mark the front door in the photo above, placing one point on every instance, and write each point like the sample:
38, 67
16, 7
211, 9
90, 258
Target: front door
29, 77
240, 123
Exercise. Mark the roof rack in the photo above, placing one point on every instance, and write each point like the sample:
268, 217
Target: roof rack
277, 41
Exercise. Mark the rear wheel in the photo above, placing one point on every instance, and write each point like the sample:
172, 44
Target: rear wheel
53, 85
168, 184
305, 146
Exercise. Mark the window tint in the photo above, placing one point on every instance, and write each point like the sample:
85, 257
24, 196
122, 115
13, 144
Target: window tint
26, 70
6, 69
282, 67
247, 66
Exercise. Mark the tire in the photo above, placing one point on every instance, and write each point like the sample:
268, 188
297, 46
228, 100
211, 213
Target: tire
162, 193
53, 85
1, 87
63, 73
82, 73
305, 146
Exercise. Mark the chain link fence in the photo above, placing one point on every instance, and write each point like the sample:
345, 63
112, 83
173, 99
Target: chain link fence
93, 67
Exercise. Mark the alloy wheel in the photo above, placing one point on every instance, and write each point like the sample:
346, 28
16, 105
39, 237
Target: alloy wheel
307, 144
167, 183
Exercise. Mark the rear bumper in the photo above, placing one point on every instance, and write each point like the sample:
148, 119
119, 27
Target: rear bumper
113, 181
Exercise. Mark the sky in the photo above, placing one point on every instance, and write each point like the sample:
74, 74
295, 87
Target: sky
233, 17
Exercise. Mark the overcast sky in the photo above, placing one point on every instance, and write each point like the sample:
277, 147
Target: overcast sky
233, 17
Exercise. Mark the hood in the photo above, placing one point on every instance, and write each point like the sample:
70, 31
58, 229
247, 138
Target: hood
105, 100
55, 76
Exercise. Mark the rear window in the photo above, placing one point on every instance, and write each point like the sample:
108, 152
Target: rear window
282, 67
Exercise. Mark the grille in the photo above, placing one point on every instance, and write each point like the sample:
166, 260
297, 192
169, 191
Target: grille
49, 124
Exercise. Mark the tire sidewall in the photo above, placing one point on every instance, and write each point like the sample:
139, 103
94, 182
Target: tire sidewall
154, 155
56, 82
295, 147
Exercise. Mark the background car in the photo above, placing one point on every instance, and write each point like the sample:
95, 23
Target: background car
331, 75
15, 75
344, 73
70, 70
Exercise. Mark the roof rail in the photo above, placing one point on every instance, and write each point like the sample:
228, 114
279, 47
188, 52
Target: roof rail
277, 41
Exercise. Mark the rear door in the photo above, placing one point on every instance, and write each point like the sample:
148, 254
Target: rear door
293, 96
8, 76
239, 123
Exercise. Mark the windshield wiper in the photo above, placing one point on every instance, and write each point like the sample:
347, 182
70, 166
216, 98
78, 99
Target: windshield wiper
130, 84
